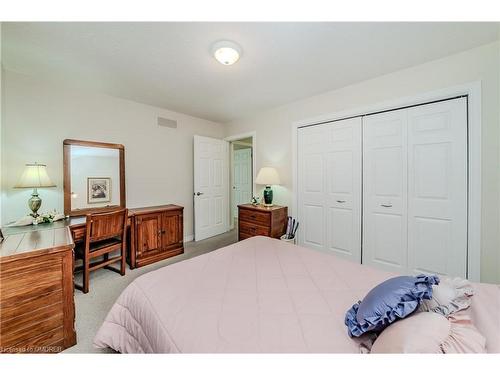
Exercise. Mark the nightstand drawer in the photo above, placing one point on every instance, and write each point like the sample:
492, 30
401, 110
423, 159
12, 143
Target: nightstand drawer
261, 221
252, 216
253, 229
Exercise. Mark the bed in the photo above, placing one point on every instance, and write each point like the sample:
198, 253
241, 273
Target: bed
259, 295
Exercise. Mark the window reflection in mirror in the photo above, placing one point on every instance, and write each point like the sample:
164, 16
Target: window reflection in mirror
95, 177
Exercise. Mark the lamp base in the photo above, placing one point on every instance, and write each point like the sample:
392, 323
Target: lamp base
34, 203
268, 196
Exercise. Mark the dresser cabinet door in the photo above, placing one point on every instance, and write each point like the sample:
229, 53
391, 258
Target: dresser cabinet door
172, 232
149, 229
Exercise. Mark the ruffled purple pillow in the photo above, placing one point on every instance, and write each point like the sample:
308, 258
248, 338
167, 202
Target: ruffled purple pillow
390, 300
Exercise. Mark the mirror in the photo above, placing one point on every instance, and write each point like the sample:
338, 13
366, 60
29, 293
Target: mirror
94, 177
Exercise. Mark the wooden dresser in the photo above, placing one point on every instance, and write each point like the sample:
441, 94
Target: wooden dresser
156, 233
37, 310
261, 221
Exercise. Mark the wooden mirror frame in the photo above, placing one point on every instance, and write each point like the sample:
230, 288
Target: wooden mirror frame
67, 143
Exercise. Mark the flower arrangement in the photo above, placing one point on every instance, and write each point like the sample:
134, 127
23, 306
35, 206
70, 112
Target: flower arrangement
47, 217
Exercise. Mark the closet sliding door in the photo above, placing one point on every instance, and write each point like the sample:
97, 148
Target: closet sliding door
385, 216
437, 188
329, 187
415, 189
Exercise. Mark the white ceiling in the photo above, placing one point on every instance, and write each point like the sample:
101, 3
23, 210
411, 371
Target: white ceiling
169, 64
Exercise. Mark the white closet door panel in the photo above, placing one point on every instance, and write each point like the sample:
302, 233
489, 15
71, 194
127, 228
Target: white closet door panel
329, 187
341, 233
311, 186
387, 242
385, 190
437, 187
343, 190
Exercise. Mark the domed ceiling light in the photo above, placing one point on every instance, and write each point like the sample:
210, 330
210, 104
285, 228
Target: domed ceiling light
226, 52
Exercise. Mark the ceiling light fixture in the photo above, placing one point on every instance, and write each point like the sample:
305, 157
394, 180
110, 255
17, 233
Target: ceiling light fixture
226, 52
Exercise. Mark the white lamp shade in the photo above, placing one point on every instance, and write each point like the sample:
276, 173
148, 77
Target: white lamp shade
268, 176
34, 176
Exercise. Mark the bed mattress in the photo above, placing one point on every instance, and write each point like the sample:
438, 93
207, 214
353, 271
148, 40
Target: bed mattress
259, 295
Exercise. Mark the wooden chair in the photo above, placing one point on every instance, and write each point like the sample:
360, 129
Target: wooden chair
105, 233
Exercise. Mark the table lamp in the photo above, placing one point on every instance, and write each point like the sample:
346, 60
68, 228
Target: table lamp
268, 176
34, 176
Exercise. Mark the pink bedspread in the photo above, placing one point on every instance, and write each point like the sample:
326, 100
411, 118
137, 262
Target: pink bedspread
259, 295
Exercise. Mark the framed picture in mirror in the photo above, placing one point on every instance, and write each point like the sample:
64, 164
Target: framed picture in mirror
98, 189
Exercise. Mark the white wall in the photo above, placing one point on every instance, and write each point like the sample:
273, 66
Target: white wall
38, 116
274, 134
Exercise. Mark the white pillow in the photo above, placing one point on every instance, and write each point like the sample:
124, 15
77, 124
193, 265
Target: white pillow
429, 332
449, 296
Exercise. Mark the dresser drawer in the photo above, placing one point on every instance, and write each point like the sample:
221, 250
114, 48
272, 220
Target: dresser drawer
15, 308
50, 341
253, 229
261, 218
29, 280
78, 234
31, 324
36, 302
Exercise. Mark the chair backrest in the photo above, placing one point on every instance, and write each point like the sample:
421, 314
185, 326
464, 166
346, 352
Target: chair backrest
106, 225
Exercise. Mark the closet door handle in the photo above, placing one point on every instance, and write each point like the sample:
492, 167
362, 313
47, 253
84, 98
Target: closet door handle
339, 201
386, 205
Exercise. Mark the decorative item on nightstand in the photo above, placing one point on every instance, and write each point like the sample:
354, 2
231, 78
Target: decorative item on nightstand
35, 176
268, 176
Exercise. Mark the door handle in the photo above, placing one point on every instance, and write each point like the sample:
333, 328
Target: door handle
386, 205
198, 193
339, 201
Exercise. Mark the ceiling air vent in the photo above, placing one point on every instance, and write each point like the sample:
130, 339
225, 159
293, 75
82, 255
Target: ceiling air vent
167, 123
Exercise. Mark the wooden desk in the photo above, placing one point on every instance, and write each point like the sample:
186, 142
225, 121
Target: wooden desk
37, 310
155, 232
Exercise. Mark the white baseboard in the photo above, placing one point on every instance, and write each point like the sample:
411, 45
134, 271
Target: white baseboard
189, 238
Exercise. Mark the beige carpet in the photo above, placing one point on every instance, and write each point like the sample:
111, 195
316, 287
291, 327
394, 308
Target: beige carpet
106, 286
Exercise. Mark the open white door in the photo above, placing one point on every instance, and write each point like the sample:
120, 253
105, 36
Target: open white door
211, 187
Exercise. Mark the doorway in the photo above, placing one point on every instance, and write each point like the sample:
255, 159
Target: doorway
215, 201
241, 173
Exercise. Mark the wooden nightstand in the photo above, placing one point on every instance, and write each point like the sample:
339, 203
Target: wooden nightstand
261, 221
